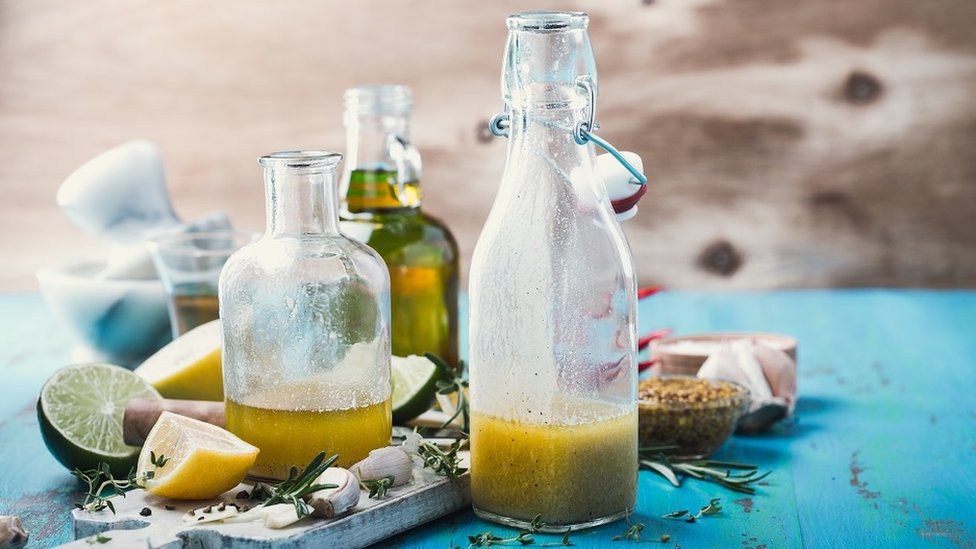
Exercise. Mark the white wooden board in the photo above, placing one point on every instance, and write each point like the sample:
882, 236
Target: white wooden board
426, 498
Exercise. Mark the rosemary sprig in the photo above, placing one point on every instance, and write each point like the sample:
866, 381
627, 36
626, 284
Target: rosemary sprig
296, 486
713, 507
443, 463
378, 487
720, 472
453, 383
103, 486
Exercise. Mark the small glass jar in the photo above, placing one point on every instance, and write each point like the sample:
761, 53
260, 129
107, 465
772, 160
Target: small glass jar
306, 337
553, 334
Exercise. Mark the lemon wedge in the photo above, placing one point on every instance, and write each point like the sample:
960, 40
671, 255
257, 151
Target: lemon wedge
188, 367
201, 461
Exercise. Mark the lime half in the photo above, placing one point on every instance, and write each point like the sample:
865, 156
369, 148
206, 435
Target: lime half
80, 412
414, 387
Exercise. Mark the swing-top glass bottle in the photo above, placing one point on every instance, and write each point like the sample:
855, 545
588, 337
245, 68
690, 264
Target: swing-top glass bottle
553, 366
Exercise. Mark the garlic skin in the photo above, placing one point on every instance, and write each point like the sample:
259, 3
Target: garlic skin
332, 502
391, 461
12, 532
769, 374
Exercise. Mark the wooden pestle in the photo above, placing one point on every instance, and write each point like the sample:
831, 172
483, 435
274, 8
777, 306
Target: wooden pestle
141, 414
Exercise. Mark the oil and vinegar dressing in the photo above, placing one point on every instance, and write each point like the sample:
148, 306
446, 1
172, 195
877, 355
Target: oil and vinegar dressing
573, 465
292, 430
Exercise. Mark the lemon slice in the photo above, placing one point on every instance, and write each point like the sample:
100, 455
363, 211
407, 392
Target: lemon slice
189, 366
202, 460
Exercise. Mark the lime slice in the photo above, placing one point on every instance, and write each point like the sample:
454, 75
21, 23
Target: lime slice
80, 412
188, 368
414, 387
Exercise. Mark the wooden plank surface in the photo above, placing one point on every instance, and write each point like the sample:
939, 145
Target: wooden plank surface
822, 144
881, 451
427, 497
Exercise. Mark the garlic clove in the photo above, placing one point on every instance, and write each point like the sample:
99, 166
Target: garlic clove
780, 372
385, 462
12, 532
332, 502
279, 515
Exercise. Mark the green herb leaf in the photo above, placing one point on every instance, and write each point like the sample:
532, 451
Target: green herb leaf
454, 384
378, 487
296, 486
720, 472
98, 538
441, 462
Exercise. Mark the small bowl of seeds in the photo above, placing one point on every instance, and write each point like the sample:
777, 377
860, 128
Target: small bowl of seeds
688, 417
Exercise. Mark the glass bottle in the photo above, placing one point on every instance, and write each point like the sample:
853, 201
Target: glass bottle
306, 314
381, 184
553, 367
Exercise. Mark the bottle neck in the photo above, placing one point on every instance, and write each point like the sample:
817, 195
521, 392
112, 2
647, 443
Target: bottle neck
382, 168
541, 142
301, 201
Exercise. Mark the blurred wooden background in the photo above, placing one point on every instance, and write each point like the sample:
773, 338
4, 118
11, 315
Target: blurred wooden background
828, 143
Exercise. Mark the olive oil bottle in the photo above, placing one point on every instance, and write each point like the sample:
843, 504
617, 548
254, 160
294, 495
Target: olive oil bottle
381, 208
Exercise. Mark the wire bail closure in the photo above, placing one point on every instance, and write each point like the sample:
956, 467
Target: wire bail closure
582, 133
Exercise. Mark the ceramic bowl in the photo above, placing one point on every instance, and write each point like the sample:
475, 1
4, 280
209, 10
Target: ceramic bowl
117, 321
684, 355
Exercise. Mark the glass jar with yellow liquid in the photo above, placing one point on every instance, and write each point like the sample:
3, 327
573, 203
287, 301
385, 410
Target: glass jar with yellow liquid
381, 207
306, 317
553, 345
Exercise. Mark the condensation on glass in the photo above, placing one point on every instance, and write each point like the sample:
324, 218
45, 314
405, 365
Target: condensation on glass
552, 304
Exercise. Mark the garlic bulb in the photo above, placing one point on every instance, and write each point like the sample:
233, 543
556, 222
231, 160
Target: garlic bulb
390, 461
333, 502
769, 374
12, 532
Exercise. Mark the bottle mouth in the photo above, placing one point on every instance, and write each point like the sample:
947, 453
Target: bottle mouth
548, 21
379, 99
300, 159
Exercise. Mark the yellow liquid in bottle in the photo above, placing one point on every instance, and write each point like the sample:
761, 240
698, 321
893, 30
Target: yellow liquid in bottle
573, 473
288, 437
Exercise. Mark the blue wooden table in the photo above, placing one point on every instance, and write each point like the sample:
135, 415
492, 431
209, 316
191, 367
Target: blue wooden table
881, 452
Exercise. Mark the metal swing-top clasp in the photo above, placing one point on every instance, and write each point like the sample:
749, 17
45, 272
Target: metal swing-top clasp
624, 189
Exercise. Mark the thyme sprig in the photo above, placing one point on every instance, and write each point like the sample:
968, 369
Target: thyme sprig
525, 537
102, 485
298, 485
633, 533
713, 507
487, 539
443, 463
377, 487
720, 472
453, 382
